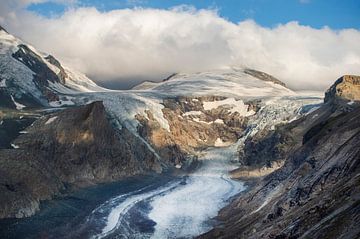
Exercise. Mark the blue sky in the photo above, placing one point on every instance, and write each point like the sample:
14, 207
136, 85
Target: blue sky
337, 14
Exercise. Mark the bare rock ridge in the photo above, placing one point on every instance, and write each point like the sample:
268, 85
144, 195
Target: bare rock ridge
346, 87
315, 192
263, 76
2, 29
43, 75
73, 148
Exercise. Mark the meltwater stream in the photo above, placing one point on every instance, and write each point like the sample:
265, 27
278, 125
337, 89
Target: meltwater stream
183, 208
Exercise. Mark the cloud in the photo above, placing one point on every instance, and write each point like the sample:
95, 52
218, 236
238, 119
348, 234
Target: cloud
151, 43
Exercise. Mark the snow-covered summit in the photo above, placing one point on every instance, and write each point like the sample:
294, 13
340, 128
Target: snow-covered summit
28, 77
230, 82
34, 78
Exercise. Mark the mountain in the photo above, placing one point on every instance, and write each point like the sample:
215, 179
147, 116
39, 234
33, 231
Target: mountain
107, 135
59, 132
33, 79
306, 174
76, 147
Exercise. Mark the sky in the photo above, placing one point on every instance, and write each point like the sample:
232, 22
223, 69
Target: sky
336, 14
305, 43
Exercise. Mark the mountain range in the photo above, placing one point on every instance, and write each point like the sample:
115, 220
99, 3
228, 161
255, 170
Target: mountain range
298, 153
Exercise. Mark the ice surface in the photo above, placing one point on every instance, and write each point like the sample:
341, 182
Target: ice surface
185, 212
15, 146
234, 106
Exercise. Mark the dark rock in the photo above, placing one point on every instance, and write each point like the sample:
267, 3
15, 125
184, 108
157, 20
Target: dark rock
263, 76
346, 88
43, 74
62, 74
73, 148
3, 29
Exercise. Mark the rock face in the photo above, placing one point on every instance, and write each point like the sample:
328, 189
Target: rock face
2, 29
316, 193
29, 79
263, 76
192, 127
345, 88
12, 124
73, 148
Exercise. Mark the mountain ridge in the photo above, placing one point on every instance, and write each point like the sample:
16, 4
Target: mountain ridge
290, 145
315, 191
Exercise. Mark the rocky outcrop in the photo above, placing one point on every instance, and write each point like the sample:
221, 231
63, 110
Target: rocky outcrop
2, 29
192, 127
346, 88
43, 74
62, 73
263, 76
73, 148
316, 193
12, 124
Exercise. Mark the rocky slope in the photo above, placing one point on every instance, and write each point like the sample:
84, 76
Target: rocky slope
69, 149
314, 192
151, 129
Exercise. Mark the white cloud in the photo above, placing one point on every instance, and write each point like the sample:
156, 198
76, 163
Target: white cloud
150, 43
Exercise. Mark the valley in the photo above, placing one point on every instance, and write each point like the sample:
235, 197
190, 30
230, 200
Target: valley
224, 153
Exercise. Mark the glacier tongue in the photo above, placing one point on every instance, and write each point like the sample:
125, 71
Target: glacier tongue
185, 212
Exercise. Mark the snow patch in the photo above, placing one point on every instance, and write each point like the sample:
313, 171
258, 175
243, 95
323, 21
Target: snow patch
3, 83
50, 120
231, 103
17, 105
67, 101
219, 121
220, 143
192, 113
201, 121
15, 146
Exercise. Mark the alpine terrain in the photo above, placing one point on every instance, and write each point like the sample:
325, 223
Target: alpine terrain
226, 153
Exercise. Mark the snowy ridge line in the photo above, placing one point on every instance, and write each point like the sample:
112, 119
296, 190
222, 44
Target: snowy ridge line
15, 74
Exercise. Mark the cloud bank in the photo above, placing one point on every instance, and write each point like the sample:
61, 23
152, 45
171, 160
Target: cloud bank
151, 43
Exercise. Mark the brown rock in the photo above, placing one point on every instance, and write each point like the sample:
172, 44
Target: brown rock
346, 88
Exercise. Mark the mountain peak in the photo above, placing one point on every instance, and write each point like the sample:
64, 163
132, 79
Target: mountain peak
346, 88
